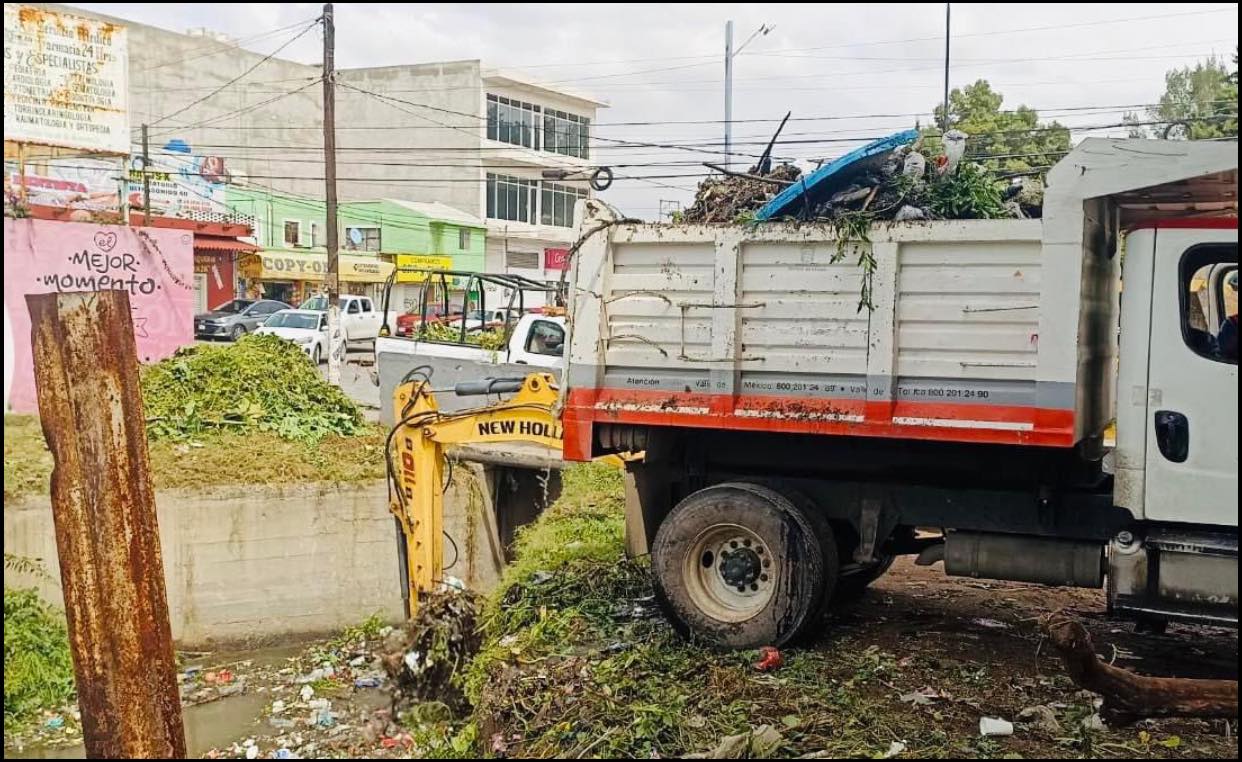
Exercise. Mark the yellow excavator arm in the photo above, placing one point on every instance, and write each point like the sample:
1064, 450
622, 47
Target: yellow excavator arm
416, 456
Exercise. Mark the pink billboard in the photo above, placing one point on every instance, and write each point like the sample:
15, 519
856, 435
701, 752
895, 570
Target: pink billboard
154, 265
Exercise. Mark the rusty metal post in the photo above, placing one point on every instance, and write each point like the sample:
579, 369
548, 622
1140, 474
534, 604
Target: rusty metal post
103, 506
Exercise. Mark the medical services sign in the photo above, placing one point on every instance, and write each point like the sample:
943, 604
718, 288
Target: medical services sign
65, 80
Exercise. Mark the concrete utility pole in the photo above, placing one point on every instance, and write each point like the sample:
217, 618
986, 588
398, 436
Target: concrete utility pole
728, 141
944, 126
336, 347
729, 55
146, 178
107, 534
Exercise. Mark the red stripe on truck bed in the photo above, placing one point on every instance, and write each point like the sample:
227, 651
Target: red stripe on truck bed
974, 422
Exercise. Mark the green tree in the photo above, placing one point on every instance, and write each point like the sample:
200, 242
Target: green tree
1015, 138
1199, 103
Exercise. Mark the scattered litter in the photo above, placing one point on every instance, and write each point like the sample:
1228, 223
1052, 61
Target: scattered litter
306, 693
993, 726
540, 577
992, 624
231, 689
1040, 718
921, 697
908, 213
284, 753
252, 751
55, 723
760, 743
367, 682
224, 676
358, 661
894, 748
770, 659
1094, 722
278, 706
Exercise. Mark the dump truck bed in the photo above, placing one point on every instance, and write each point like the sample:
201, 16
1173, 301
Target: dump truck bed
987, 331
780, 328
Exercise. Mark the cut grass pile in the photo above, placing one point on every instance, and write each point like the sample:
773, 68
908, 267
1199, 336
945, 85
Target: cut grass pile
259, 383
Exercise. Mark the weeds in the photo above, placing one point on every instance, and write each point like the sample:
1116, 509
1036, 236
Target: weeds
38, 670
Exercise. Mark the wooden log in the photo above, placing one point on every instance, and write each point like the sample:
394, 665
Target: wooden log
103, 508
1128, 696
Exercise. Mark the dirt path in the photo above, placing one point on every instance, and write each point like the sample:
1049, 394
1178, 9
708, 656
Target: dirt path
972, 648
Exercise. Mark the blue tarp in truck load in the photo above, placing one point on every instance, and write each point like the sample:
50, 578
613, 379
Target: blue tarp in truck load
831, 177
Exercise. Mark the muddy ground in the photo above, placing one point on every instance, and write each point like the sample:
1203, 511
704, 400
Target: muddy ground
943, 652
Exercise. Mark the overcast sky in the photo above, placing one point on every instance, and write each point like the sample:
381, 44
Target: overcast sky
664, 63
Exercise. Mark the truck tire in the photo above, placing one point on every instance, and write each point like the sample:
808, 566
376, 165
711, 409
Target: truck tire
740, 565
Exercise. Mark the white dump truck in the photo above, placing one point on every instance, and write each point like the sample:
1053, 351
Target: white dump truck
793, 443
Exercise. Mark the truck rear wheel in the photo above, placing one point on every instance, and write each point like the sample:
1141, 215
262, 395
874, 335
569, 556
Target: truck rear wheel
741, 566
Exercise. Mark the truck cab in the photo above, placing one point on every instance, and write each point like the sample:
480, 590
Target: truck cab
1176, 460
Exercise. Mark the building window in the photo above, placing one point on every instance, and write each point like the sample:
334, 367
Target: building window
521, 260
314, 234
463, 238
293, 233
362, 239
558, 204
566, 134
512, 121
511, 198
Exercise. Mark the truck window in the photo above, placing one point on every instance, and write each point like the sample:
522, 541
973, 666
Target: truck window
366, 305
546, 338
1208, 282
353, 307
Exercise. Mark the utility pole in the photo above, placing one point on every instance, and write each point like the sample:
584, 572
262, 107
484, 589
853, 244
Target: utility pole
146, 179
944, 126
728, 136
332, 278
730, 53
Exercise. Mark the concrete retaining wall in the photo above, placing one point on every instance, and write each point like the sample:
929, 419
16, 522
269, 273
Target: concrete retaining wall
260, 564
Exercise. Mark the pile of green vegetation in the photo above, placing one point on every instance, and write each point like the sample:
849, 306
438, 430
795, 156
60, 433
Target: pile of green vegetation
38, 670
260, 383
494, 339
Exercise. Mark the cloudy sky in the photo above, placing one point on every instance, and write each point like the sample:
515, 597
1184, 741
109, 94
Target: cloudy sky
847, 72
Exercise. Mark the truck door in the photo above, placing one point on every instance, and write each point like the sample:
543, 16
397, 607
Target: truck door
1192, 401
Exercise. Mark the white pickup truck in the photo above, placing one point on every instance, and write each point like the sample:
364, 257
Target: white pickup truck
360, 318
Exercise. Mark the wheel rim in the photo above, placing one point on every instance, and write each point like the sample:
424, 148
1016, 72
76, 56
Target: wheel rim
730, 573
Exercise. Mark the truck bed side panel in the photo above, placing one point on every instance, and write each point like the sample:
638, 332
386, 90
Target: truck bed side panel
761, 329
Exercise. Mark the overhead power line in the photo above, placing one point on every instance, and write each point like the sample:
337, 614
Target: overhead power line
239, 77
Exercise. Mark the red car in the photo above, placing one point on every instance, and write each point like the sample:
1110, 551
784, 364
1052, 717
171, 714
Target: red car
408, 322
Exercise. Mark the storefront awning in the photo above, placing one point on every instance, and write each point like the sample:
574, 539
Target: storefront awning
312, 265
214, 244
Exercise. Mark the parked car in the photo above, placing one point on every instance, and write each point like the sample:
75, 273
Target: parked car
234, 319
408, 322
360, 320
306, 328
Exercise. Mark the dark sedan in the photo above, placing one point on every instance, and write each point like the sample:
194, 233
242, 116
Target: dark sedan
234, 319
